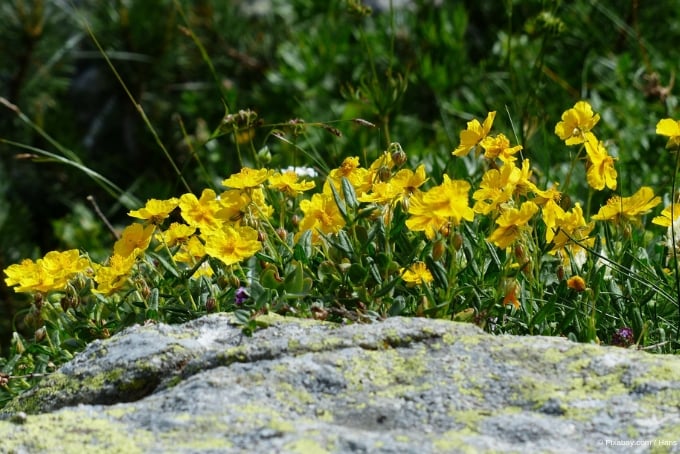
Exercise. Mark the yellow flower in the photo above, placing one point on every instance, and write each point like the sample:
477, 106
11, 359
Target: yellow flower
134, 240
670, 128
155, 211
510, 297
664, 219
382, 192
543, 196
237, 204
561, 226
201, 213
618, 208
113, 276
321, 214
416, 274
499, 147
576, 124
359, 177
511, 223
231, 245
474, 134
176, 233
400, 186
496, 188
601, 171
190, 252
576, 283
288, 182
409, 181
50, 273
442, 205
247, 178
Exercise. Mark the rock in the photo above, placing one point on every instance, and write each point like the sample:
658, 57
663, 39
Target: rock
399, 386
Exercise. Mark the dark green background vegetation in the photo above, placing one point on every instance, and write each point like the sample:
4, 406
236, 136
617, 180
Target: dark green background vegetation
419, 73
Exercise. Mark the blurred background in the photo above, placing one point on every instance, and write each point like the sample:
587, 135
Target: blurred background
417, 70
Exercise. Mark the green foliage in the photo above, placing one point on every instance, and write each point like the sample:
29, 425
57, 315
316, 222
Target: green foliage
184, 93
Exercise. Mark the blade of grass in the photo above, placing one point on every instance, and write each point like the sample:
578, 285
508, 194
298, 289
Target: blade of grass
137, 105
127, 200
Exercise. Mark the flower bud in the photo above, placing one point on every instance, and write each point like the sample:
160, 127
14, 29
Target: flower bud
457, 241
438, 249
40, 334
398, 155
384, 173
210, 304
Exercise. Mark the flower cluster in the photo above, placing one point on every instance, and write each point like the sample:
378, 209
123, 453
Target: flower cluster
384, 238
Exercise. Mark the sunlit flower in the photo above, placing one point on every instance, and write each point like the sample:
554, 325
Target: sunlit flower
237, 204
442, 205
321, 214
400, 186
498, 187
176, 233
511, 223
247, 178
576, 283
113, 276
499, 147
201, 213
562, 227
382, 192
232, 245
190, 252
155, 211
671, 129
543, 196
288, 183
50, 273
576, 124
664, 219
134, 240
416, 274
601, 171
383, 161
409, 181
618, 208
359, 177
474, 134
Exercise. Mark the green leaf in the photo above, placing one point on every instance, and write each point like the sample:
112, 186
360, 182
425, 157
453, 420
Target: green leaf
438, 272
349, 193
374, 270
338, 201
270, 279
357, 274
293, 282
387, 287
303, 249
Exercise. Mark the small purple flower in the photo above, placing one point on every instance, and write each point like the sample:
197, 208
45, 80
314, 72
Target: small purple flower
241, 296
623, 337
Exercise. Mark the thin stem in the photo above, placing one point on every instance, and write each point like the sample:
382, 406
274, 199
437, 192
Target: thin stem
673, 240
138, 106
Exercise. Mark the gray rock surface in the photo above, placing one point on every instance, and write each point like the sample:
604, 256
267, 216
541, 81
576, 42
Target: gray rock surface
399, 386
